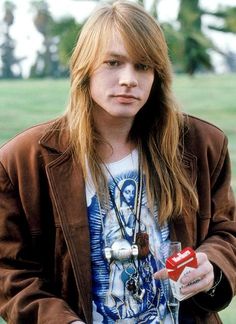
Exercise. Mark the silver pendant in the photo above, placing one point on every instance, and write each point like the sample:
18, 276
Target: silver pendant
121, 250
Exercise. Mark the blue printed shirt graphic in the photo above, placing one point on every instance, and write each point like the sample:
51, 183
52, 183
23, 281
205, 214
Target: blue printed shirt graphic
113, 302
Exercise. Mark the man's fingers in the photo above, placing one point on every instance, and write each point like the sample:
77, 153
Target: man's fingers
161, 274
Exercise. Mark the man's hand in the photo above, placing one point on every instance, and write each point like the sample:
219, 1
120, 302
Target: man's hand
198, 280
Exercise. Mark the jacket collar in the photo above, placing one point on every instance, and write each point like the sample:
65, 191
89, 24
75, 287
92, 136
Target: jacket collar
56, 136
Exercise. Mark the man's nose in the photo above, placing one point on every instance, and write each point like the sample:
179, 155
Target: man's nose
128, 76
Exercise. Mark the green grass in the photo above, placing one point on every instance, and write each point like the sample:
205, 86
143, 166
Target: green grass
228, 315
24, 103
211, 97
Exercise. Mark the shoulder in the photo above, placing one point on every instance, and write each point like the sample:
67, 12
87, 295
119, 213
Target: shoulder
201, 134
29, 136
27, 144
199, 127
26, 155
207, 143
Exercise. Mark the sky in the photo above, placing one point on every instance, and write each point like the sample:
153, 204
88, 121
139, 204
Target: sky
29, 40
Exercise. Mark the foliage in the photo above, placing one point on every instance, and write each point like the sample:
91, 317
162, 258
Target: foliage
66, 30
189, 47
153, 10
175, 42
228, 15
59, 40
141, 2
43, 19
8, 59
226, 23
196, 44
47, 63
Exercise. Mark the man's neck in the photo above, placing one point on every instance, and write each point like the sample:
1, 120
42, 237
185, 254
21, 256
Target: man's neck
117, 144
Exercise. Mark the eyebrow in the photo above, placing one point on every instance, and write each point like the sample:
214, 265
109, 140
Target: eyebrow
115, 54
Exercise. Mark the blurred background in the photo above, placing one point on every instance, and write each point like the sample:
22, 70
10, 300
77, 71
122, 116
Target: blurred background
37, 38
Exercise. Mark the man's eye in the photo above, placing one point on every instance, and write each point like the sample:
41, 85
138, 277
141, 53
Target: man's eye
142, 67
112, 63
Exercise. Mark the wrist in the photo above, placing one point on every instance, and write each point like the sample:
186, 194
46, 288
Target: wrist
217, 279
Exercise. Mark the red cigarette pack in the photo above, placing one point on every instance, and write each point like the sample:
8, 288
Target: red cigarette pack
178, 265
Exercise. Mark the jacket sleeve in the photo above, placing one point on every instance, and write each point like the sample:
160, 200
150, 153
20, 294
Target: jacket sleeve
26, 296
220, 241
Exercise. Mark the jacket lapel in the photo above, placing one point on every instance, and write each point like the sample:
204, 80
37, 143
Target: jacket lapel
67, 187
68, 195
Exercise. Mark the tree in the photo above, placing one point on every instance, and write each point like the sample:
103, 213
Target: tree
153, 10
66, 30
175, 42
8, 59
196, 44
141, 2
47, 63
228, 15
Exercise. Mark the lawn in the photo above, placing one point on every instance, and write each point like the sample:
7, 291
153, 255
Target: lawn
211, 97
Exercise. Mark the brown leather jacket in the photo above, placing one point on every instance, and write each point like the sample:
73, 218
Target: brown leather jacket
44, 236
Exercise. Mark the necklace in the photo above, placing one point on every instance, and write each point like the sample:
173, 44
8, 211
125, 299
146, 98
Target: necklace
126, 249
122, 249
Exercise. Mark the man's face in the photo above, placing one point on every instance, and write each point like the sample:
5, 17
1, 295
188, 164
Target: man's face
119, 86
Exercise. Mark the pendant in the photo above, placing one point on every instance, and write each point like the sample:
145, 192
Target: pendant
121, 250
127, 273
142, 241
133, 285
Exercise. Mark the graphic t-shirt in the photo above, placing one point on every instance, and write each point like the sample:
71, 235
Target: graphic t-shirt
115, 300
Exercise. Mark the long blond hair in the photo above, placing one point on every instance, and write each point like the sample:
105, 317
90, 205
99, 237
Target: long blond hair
157, 127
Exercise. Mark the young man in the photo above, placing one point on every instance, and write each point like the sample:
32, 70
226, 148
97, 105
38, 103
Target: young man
75, 248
